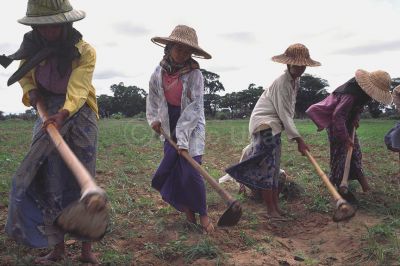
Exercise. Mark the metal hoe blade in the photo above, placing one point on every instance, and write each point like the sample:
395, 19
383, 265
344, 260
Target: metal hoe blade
344, 212
232, 215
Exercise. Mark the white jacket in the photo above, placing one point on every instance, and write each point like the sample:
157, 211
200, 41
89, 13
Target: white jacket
276, 107
190, 129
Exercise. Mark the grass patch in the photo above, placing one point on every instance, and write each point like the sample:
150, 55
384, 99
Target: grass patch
128, 155
383, 242
203, 249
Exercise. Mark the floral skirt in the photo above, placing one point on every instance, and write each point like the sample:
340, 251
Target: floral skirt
261, 168
338, 153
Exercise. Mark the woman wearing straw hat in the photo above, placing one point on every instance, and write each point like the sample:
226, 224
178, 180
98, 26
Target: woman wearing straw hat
272, 114
340, 113
175, 106
57, 68
392, 138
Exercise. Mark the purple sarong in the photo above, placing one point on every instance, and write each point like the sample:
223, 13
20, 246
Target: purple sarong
177, 181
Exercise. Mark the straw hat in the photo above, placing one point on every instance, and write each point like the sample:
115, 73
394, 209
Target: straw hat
376, 84
396, 96
40, 12
296, 54
183, 35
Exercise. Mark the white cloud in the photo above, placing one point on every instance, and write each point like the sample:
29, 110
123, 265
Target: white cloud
371, 48
241, 36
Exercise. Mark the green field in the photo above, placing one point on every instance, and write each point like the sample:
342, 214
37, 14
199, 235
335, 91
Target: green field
146, 231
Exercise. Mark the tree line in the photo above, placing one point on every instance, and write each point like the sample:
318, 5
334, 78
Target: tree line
130, 101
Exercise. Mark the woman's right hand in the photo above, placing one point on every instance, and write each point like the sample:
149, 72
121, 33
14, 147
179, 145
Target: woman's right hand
156, 126
34, 96
349, 143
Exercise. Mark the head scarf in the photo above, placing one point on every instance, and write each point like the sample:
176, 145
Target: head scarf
171, 67
352, 87
34, 49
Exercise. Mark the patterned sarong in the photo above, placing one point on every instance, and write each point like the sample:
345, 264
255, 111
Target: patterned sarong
43, 185
261, 168
338, 153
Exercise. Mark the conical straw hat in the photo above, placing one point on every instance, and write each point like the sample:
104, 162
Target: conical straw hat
376, 84
296, 54
396, 96
183, 35
40, 12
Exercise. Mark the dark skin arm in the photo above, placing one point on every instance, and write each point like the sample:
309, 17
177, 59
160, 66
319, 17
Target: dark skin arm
301, 145
57, 119
156, 126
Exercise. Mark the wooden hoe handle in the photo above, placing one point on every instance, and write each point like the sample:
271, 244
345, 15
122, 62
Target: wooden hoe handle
346, 171
82, 175
223, 193
324, 178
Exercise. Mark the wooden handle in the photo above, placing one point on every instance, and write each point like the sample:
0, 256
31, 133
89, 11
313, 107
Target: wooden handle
346, 171
81, 174
214, 184
324, 178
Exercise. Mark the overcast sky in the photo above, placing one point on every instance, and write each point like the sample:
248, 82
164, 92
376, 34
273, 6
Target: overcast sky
242, 36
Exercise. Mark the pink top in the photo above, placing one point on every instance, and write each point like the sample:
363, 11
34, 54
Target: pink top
173, 88
335, 111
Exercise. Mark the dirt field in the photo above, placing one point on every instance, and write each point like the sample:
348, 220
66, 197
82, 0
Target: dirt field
146, 231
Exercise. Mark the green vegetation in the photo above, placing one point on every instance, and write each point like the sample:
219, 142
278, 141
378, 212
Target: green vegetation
145, 230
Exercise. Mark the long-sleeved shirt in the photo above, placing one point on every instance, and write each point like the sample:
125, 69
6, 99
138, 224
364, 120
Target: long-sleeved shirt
190, 128
337, 111
276, 107
80, 89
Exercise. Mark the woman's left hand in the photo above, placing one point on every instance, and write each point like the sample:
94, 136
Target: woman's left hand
57, 119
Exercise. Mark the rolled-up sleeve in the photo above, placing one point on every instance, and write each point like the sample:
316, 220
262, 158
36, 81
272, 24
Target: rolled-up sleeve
80, 80
282, 101
191, 114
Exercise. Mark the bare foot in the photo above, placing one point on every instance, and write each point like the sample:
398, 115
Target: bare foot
55, 255
190, 216
87, 256
281, 212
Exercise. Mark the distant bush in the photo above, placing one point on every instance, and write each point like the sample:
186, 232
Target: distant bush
222, 115
140, 116
118, 115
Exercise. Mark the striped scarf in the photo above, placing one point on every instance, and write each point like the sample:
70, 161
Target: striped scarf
171, 67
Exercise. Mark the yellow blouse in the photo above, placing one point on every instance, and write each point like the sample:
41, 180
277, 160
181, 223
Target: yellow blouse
80, 89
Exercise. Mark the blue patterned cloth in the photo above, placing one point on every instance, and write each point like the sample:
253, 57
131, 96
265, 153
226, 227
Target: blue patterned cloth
43, 185
392, 138
261, 168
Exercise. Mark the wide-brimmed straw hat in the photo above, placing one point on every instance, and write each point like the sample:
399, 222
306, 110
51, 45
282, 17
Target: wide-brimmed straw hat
396, 96
376, 84
41, 12
296, 54
183, 35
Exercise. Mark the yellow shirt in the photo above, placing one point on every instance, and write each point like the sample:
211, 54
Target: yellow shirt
80, 89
